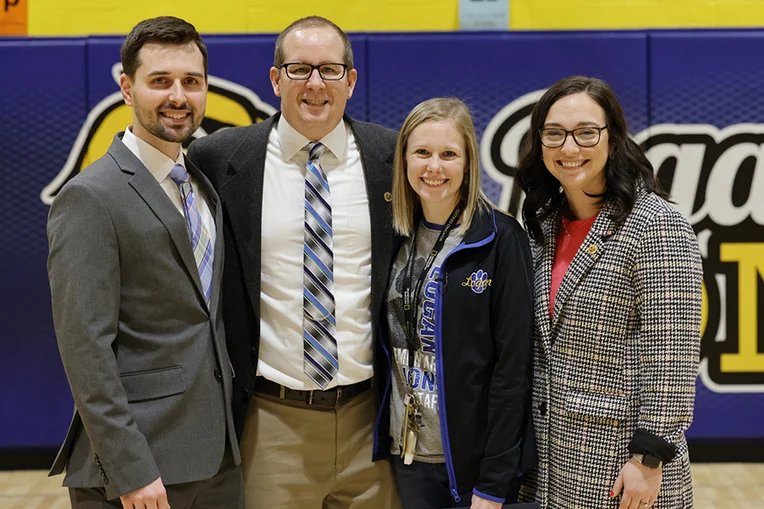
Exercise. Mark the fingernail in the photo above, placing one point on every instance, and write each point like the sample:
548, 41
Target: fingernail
612, 494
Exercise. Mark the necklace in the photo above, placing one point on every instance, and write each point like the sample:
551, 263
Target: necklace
583, 224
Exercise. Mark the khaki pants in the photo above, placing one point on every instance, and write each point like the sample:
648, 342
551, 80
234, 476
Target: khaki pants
297, 456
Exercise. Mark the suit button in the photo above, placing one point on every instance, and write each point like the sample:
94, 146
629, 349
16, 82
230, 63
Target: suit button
388, 196
542, 408
218, 375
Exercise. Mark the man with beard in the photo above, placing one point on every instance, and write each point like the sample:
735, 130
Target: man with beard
136, 255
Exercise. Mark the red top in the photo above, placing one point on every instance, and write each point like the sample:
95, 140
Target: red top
569, 239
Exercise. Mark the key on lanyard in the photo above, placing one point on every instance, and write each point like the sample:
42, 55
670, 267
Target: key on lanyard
412, 422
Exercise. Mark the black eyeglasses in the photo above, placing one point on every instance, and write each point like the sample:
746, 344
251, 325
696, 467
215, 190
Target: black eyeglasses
554, 137
302, 71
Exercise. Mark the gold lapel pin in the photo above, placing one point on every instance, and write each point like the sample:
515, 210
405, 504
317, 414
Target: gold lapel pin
592, 249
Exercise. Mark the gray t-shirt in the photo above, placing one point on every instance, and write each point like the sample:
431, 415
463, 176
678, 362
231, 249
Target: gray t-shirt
421, 377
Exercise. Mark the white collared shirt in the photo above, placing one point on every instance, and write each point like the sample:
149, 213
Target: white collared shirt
283, 215
160, 166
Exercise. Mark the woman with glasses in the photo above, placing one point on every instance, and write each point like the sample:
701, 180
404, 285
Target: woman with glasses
459, 315
618, 308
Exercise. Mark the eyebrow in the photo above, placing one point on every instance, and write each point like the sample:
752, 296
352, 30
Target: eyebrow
308, 63
425, 145
585, 123
165, 73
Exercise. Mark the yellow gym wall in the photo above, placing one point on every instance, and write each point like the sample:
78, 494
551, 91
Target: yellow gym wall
84, 17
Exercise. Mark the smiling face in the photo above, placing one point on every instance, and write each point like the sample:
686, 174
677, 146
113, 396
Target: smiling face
313, 107
578, 169
168, 94
436, 161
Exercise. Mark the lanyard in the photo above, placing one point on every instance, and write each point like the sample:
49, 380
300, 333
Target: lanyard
411, 295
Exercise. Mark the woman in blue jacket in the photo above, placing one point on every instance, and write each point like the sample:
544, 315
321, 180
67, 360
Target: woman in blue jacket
459, 314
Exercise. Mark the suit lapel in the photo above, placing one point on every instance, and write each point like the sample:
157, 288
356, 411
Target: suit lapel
242, 194
156, 199
588, 253
378, 176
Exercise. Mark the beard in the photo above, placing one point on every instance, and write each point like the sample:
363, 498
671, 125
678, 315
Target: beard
154, 123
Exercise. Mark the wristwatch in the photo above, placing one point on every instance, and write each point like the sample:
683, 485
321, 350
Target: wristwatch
647, 460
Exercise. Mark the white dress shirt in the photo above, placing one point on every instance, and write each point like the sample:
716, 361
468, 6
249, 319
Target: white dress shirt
283, 215
160, 166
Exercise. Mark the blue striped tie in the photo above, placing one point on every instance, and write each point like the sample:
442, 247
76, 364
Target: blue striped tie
320, 348
200, 239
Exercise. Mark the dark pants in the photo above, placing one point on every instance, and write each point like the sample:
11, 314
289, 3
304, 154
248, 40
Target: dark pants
223, 491
425, 486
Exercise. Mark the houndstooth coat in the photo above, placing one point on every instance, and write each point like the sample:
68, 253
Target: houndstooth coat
620, 354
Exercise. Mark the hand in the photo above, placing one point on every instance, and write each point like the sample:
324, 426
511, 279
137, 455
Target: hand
151, 496
639, 484
482, 503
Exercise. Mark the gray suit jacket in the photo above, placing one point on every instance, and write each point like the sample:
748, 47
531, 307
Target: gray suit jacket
145, 357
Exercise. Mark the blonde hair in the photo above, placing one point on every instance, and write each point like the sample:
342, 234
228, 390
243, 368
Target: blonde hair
405, 199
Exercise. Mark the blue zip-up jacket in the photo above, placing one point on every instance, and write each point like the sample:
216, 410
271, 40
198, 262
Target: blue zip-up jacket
484, 322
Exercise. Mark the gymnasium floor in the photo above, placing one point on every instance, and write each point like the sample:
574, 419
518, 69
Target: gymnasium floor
717, 486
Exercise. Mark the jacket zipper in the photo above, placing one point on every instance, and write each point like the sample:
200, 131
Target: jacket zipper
446, 441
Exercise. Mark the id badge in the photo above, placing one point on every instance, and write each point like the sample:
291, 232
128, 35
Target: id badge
412, 420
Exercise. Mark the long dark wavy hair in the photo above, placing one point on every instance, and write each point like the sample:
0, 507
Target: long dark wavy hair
627, 171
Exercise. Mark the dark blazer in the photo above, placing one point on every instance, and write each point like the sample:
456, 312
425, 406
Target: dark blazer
234, 161
144, 355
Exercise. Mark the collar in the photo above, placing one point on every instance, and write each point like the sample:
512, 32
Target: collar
483, 225
158, 164
292, 141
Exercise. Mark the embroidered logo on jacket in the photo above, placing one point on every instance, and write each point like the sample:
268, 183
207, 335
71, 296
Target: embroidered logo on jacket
478, 281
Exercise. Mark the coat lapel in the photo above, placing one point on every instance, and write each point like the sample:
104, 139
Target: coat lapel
242, 194
543, 267
378, 176
588, 253
156, 199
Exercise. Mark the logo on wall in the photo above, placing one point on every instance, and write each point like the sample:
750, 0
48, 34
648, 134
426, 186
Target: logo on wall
716, 179
228, 105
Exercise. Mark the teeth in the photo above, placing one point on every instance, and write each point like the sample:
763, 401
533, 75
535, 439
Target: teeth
314, 103
569, 164
175, 115
430, 182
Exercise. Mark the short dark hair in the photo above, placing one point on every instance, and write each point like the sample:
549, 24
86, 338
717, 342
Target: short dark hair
312, 22
163, 30
628, 172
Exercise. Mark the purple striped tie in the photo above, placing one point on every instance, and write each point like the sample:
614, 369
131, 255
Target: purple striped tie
200, 239
320, 361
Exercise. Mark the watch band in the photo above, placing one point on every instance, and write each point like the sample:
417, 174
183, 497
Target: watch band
647, 460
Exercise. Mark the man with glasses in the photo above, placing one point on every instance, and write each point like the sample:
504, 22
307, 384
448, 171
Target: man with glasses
307, 201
